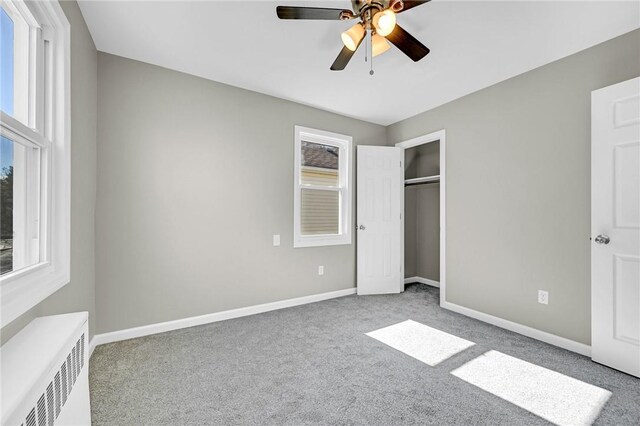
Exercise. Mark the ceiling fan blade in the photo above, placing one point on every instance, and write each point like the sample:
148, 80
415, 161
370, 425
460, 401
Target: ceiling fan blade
411, 4
343, 59
295, 12
409, 45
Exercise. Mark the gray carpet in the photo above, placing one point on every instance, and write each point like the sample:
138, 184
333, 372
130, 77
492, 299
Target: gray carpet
313, 364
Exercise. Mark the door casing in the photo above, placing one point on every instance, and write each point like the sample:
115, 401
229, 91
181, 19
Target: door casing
439, 136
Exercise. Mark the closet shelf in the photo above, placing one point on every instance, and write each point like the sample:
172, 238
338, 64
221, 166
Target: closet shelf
421, 180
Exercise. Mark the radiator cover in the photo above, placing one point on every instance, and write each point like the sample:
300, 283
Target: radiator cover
45, 378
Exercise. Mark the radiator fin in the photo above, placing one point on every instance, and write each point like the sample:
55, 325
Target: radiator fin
82, 350
78, 364
63, 372
50, 404
31, 418
70, 373
50, 415
42, 412
74, 365
56, 383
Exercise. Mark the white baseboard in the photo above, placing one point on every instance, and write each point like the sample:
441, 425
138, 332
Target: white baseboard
92, 345
146, 330
421, 280
543, 336
162, 327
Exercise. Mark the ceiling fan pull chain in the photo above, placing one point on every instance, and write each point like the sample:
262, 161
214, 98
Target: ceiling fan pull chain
366, 47
371, 63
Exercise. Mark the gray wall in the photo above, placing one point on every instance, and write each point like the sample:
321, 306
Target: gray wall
194, 178
422, 214
428, 231
422, 160
410, 233
518, 188
78, 295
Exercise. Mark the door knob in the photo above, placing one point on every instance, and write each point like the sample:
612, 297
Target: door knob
362, 228
602, 239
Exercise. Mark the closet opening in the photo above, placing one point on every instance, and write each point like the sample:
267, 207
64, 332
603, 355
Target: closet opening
423, 220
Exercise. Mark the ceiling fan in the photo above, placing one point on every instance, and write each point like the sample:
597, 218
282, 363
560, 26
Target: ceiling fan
376, 17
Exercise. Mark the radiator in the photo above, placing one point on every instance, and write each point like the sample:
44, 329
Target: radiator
44, 370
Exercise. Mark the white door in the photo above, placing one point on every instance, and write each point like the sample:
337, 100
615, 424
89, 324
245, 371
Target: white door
615, 226
380, 175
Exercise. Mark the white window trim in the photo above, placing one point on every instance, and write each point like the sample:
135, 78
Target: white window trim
23, 289
344, 143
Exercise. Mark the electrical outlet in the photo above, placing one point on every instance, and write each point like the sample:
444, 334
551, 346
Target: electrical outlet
543, 297
320, 270
276, 240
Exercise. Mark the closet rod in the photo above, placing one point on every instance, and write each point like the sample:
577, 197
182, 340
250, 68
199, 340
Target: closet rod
422, 180
421, 183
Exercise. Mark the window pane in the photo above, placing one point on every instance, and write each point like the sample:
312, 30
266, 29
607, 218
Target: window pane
319, 212
19, 205
6, 62
319, 164
6, 206
14, 63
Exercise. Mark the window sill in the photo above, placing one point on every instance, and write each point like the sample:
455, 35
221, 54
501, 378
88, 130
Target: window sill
24, 289
320, 241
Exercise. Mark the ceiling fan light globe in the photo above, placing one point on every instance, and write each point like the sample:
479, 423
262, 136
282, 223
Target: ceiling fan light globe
379, 45
353, 36
384, 22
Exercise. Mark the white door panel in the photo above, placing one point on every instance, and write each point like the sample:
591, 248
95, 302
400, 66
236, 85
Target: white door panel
379, 208
615, 214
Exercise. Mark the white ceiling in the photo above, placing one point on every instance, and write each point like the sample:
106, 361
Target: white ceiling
474, 44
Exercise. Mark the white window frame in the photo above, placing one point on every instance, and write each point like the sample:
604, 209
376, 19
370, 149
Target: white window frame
343, 143
48, 127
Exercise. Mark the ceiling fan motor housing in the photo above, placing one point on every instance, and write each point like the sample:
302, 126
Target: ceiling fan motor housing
370, 7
